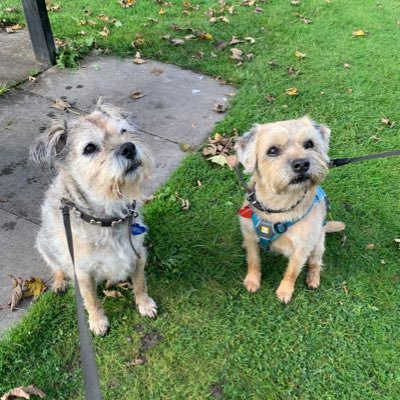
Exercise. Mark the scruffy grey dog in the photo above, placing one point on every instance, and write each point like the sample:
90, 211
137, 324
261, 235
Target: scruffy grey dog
287, 161
101, 163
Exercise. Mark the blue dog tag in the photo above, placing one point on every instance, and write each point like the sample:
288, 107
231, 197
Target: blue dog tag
137, 229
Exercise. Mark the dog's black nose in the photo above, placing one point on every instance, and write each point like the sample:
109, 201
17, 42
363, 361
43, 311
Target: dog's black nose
300, 165
127, 150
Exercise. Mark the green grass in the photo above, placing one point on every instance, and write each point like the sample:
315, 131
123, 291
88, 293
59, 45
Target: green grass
215, 337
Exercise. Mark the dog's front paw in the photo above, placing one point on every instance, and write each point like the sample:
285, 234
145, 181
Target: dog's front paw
59, 287
146, 306
285, 292
313, 281
99, 324
252, 283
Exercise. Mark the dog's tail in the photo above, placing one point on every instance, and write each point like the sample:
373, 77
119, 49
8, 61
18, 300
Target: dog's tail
334, 226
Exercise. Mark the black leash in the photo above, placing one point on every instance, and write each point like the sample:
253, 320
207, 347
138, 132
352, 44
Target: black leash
90, 377
338, 162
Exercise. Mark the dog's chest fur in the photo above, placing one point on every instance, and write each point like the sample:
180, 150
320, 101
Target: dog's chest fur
104, 252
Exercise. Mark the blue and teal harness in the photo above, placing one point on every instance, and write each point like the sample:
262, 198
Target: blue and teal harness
269, 232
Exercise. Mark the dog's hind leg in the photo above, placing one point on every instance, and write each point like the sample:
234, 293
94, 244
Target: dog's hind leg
98, 321
252, 282
315, 264
286, 287
145, 304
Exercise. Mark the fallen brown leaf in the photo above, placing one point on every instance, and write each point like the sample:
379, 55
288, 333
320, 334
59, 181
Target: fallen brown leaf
34, 286
370, 246
234, 40
137, 94
236, 54
13, 28
292, 92
24, 392
113, 293
136, 361
61, 105
299, 55
270, 98
126, 3
219, 108
105, 32
185, 202
138, 58
156, 71
220, 45
358, 33
17, 293
177, 42
388, 122
293, 71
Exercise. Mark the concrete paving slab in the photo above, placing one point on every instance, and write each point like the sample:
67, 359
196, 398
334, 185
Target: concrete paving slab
17, 240
177, 104
17, 60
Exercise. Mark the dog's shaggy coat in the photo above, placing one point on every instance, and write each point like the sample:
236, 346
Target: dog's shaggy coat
287, 160
101, 163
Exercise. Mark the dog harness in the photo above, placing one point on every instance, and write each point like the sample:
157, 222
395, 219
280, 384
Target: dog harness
268, 231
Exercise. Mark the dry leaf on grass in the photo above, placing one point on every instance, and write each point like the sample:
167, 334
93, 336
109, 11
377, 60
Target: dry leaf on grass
220, 148
23, 392
113, 293
236, 54
126, 3
270, 98
136, 361
370, 246
177, 42
397, 241
292, 92
388, 122
185, 202
17, 294
105, 32
293, 71
137, 94
53, 7
220, 159
234, 40
299, 55
359, 33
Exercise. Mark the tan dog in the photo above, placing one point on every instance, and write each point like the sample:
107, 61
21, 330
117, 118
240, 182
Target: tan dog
101, 163
287, 160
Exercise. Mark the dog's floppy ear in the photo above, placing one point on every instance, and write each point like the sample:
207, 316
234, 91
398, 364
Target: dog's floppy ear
246, 150
108, 109
50, 145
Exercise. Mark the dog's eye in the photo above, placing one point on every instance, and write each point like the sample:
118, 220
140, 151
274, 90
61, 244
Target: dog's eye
90, 148
123, 131
309, 144
273, 151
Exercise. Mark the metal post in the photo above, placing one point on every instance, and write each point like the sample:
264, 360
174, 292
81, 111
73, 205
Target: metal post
40, 30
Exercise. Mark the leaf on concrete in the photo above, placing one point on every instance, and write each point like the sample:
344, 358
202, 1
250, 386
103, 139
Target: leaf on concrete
156, 71
17, 293
138, 58
137, 94
61, 105
34, 286
23, 392
219, 108
113, 293
13, 28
